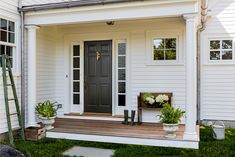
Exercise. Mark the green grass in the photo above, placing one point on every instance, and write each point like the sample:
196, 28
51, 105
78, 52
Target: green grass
208, 147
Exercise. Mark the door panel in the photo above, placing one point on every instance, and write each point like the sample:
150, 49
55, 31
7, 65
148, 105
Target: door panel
98, 76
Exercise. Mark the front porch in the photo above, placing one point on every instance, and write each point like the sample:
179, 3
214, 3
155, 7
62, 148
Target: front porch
95, 66
115, 132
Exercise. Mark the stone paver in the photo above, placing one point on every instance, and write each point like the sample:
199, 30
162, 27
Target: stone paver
89, 152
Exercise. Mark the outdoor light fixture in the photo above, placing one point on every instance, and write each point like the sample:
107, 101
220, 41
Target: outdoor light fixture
110, 23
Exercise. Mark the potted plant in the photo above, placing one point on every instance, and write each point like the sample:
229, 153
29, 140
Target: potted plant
161, 99
46, 112
170, 117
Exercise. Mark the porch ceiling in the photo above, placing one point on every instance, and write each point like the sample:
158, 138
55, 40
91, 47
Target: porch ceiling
104, 131
109, 12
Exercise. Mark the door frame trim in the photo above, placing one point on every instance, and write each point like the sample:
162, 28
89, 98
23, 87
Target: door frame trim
78, 38
80, 108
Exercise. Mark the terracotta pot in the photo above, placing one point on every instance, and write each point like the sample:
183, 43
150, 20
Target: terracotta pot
170, 130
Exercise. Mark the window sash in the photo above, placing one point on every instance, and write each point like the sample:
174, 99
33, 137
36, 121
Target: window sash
164, 49
220, 50
121, 96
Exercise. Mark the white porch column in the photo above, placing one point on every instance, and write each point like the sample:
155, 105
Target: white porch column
191, 77
31, 45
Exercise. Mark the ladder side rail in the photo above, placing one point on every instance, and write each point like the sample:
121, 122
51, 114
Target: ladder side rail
15, 98
10, 132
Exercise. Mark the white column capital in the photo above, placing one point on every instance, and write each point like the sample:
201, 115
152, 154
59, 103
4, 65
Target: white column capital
190, 17
32, 27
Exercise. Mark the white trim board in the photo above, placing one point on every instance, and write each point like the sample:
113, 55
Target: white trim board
125, 140
78, 15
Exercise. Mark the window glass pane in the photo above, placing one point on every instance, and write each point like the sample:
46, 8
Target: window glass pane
2, 49
158, 55
121, 74
76, 75
214, 44
76, 50
227, 55
170, 54
9, 50
121, 61
121, 87
227, 44
121, 48
121, 100
76, 86
3, 24
158, 44
11, 26
170, 43
76, 99
76, 62
215, 55
3, 36
11, 37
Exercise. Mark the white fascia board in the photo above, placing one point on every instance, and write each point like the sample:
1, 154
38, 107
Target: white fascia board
126, 140
111, 12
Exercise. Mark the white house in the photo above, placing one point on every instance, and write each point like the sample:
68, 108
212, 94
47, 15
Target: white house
55, 58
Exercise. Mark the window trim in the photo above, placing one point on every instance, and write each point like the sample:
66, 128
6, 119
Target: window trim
221, 61
152, 35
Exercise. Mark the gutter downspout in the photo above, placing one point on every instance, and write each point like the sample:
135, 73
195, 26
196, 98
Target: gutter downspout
23, 104
204, 11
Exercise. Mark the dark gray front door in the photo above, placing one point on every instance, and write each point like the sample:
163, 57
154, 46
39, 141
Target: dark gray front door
98, 76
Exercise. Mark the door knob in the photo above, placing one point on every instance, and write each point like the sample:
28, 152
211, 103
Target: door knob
97, 56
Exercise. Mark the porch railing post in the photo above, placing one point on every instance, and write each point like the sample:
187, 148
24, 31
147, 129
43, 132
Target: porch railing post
191, 77
31, 74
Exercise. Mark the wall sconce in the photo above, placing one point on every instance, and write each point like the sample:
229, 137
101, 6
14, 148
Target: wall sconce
110, 23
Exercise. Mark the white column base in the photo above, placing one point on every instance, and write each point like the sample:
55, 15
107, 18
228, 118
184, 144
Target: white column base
192, 136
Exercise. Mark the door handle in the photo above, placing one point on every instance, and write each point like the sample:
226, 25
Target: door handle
98, 56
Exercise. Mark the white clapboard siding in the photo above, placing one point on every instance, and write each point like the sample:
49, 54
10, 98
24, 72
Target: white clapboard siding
218, 81
8, 10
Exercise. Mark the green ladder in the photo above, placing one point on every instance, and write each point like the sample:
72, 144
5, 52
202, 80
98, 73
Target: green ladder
6, 67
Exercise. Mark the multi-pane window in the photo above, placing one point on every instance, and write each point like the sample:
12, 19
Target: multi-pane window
7, 31
221, 49
164, 49
121, 48
7, 38
76, 74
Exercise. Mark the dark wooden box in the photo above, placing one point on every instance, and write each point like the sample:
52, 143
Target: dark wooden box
142, 104
35, 133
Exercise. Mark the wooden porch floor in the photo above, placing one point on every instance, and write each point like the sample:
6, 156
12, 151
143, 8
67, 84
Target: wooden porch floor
111, 128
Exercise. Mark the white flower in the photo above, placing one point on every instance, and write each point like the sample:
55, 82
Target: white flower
150, 100
161, 98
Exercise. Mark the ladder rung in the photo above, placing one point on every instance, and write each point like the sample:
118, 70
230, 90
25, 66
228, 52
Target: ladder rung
11, 99
9, 84
13, 114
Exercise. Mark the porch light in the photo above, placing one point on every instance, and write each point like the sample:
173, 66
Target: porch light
110, 23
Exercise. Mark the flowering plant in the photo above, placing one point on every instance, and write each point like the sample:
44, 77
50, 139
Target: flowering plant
162, 98
149, 98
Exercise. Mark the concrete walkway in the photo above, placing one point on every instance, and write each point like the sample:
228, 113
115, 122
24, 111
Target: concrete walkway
89, 152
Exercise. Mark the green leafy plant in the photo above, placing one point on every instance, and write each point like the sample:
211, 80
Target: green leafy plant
170, 115
46, 109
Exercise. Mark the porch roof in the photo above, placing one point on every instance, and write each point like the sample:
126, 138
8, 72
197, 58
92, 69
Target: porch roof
115, 132
114, 10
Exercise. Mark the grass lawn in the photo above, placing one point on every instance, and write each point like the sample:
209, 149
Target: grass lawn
208, 147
